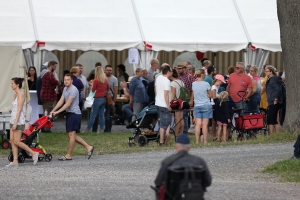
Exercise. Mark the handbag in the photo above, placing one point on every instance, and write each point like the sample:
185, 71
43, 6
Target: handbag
88, 102
109, 100
179, 104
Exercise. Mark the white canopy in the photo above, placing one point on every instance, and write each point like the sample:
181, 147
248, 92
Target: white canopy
193, 25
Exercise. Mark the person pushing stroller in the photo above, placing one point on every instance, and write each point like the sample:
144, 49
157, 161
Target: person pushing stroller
69, 102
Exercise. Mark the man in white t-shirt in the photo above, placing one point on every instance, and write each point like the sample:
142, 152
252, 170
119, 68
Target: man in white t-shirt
162, 86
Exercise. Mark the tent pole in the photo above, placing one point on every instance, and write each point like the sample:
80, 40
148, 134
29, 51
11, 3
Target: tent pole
242, 20
33, 20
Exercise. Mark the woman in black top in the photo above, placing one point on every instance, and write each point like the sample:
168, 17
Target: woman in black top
31, 78
275, 97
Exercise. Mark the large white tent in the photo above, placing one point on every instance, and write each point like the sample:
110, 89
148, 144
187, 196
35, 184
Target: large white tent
194, 25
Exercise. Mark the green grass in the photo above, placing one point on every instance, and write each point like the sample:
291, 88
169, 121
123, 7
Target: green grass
115, 143
288, 170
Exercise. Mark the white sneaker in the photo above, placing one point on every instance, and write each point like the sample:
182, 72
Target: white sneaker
35, 158
11, 164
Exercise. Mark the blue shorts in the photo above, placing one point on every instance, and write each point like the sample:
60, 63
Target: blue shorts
164, 116
203, 112
73, 123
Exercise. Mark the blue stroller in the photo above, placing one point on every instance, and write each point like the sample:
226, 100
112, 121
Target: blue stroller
146, 119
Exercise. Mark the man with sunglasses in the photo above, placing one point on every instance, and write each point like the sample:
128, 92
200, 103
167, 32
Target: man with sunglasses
239, 86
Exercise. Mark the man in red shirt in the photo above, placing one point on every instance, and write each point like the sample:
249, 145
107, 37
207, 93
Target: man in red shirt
49, 82
239, 81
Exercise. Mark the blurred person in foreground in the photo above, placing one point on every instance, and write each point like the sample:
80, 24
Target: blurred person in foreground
182, 158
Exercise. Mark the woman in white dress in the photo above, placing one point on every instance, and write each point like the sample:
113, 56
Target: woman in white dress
17, 123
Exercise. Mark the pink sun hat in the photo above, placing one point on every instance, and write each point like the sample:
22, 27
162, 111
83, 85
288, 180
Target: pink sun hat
220, 77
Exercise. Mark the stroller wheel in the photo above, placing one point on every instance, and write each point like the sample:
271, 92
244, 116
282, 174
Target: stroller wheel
21, 158
10, 157
48, 157
41, 158
142, 140
5, 144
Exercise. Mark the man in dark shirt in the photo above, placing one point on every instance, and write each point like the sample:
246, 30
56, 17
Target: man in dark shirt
182, 157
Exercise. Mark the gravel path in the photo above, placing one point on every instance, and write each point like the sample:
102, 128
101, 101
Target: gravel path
128, 176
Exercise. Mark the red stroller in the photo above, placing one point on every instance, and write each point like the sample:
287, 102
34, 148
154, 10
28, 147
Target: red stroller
29, 136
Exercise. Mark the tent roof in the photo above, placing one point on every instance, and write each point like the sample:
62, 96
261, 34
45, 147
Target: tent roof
261, 21
188, 25
16, 28
194, 25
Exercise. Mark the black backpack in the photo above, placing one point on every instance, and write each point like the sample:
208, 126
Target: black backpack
185, 182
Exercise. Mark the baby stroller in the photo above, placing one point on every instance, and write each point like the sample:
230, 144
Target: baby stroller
247, 123
146, 119
29, 136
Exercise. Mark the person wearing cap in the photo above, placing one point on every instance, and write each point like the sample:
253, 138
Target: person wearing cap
182, 158
153, 68
187, 79
239, 81
219, 79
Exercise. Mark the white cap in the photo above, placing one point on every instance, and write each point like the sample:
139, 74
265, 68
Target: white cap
46, 64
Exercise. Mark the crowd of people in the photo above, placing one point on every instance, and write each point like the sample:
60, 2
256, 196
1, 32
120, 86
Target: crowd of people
212, 95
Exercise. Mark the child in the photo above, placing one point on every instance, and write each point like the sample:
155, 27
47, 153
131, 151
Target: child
219, 79
222, 115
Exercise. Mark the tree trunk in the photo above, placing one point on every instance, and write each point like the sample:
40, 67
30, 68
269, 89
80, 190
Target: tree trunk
289, 21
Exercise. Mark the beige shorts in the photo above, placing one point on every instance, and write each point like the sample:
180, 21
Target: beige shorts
19, 127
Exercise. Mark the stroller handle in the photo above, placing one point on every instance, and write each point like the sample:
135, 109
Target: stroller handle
242, 93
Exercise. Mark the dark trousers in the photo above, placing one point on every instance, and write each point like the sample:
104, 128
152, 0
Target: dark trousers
297, 147
80, 107
108, 117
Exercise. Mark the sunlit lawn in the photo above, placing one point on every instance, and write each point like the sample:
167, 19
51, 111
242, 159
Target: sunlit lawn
288, 170
115, 143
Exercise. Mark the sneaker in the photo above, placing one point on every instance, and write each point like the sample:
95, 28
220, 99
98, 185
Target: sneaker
295, 158
11, 164
35, 158
215, 139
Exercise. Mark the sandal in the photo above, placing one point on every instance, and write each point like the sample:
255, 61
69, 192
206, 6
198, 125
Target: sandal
64, 158
91, 152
